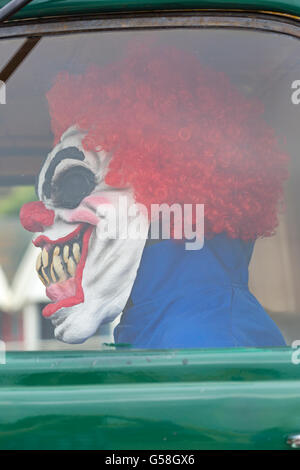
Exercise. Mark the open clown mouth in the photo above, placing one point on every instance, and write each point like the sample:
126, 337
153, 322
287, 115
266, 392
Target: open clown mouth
60, 267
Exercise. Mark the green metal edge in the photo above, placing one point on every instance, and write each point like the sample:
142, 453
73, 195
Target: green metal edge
175, 416
185, 399
133, 366
48, 8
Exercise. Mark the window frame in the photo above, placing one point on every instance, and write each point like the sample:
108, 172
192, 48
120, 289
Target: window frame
272, 22
36, 29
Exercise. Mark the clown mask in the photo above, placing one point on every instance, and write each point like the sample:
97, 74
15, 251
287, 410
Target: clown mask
88, 276
152, 135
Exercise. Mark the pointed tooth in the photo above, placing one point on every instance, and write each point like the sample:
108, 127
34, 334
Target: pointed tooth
53, 277
71, 266
38, 264
76, 252
45, 276
56, 251
43, 280
66, 253
58, 267
45, 257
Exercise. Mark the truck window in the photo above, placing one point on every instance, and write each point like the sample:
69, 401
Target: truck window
149, 191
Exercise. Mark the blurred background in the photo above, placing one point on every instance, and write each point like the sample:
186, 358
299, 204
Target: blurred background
262, 65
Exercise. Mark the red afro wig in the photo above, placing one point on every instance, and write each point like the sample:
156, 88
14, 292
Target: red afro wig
179, 133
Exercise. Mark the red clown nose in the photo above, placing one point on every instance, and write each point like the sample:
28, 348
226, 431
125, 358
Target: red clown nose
34, 216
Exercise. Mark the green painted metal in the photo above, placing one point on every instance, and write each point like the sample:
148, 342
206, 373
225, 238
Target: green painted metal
188, 399
44, 8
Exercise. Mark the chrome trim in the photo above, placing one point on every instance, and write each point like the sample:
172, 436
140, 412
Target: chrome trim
236, 20
293, 441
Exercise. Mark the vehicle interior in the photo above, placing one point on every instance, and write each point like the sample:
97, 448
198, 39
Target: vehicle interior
261, 64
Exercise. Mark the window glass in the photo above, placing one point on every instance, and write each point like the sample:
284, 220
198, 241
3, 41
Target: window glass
157, 173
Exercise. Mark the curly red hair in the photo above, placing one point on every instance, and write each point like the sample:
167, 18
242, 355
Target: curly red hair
180, 133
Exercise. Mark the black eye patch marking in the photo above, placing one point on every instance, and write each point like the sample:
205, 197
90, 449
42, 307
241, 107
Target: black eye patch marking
68, 152
72, 186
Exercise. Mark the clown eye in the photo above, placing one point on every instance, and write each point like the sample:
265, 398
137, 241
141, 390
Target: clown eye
72, 186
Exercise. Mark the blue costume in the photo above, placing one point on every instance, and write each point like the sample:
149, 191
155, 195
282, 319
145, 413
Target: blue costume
195, 299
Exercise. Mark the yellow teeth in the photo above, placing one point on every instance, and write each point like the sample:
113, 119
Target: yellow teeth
66, 253
71, 267
38, 262
56, 251
58, 267
76, 252
52, 273
58, 264
45, 257
43, 280
45, 276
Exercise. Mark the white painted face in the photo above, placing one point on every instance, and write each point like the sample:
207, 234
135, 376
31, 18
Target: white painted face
88, 278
